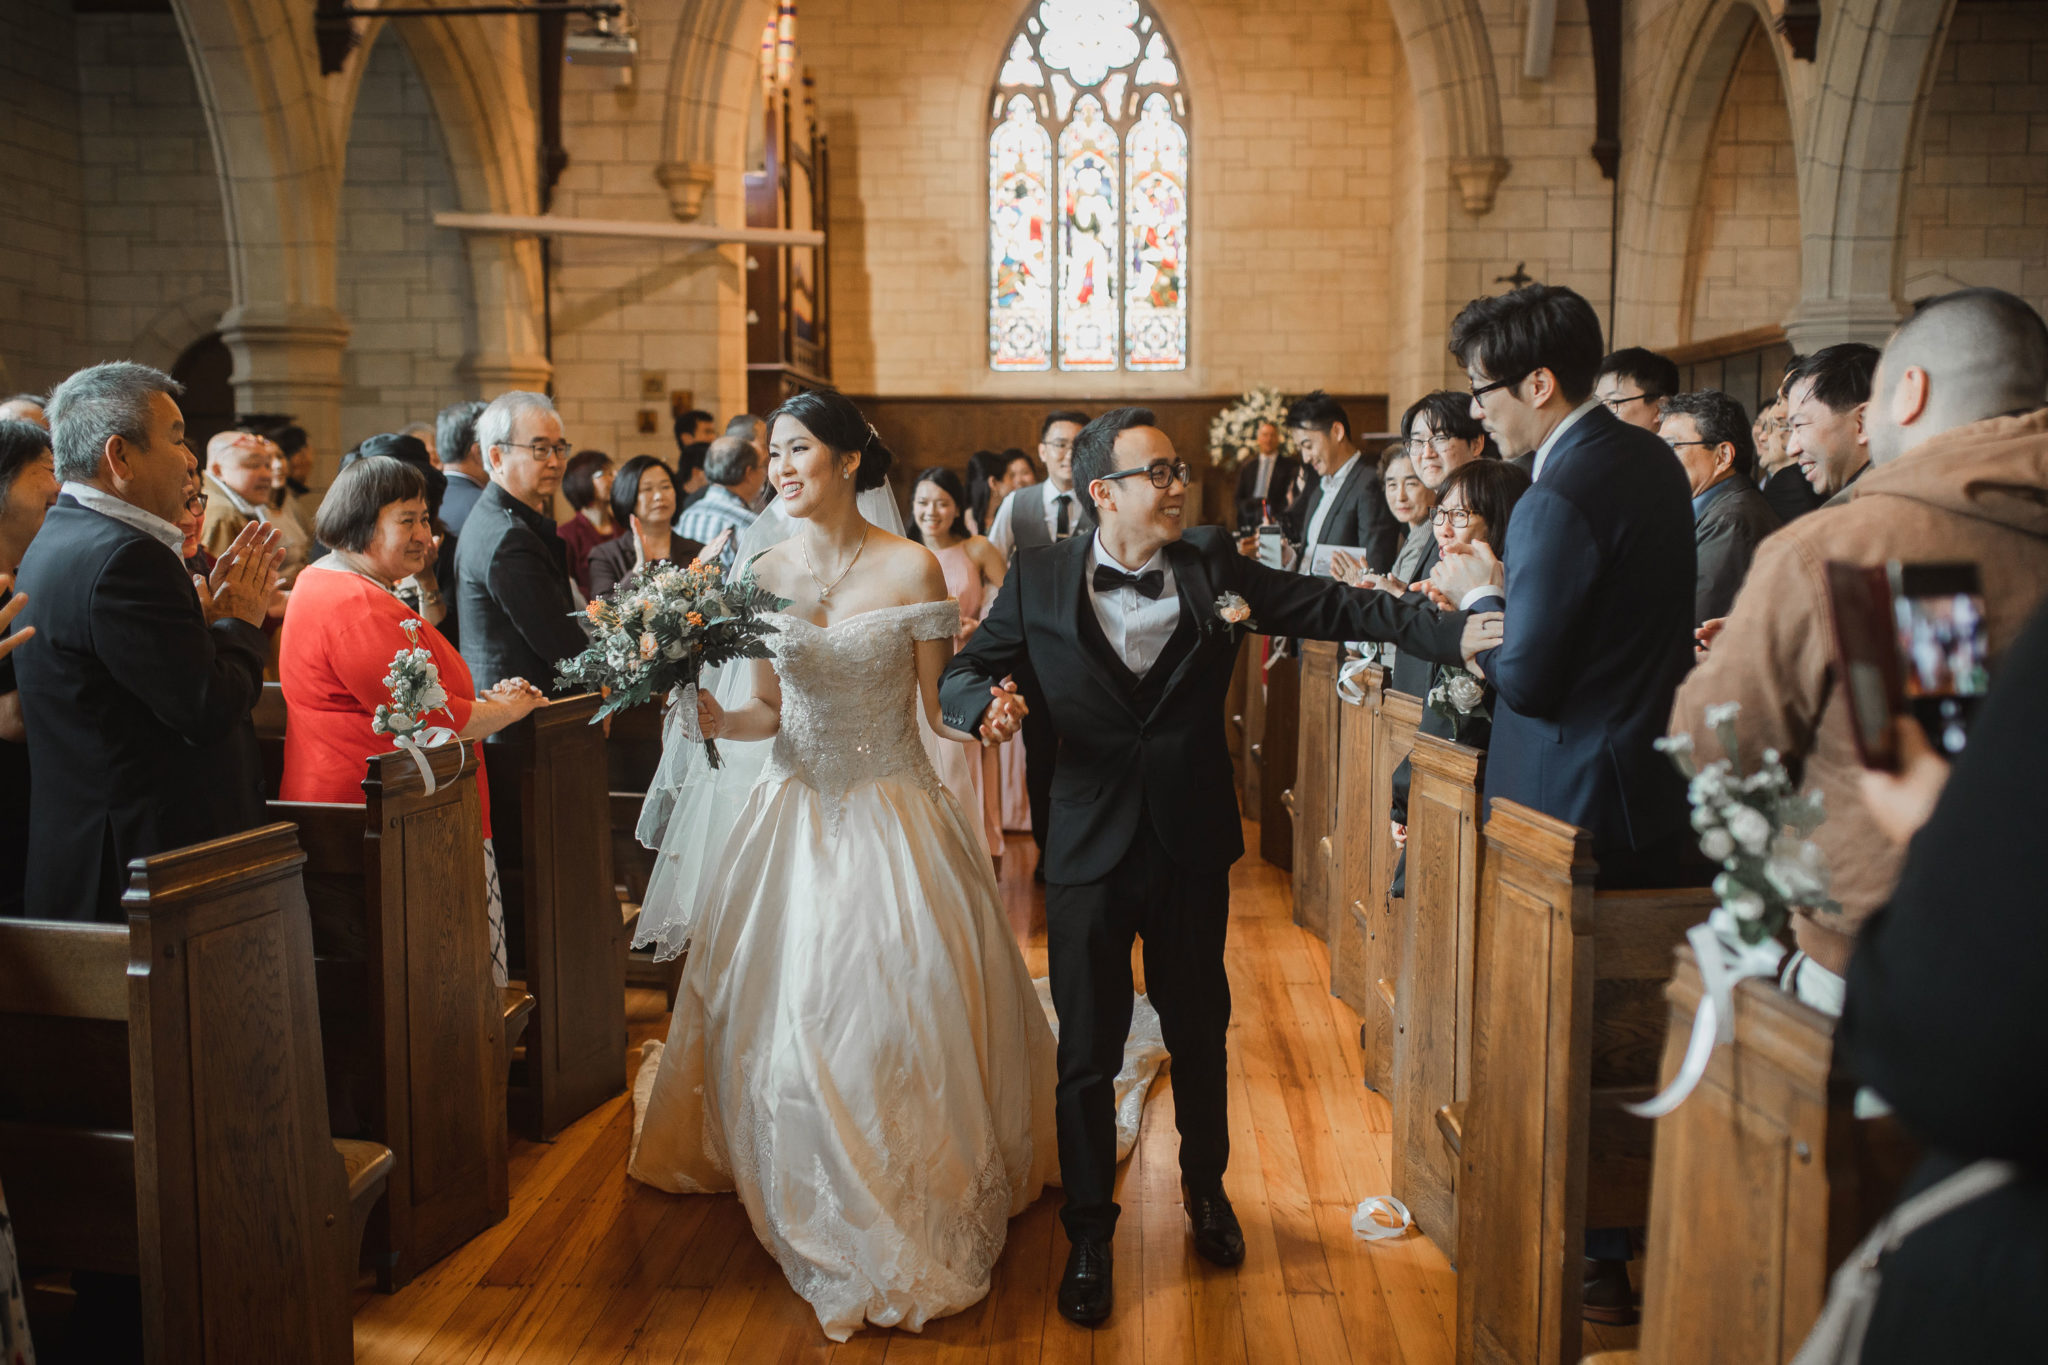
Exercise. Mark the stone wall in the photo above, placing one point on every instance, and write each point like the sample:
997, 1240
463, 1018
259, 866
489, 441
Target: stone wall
1743, 266
42, 261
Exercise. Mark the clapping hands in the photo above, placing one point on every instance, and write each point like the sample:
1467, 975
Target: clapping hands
1005, 714
1462, 569
245, 578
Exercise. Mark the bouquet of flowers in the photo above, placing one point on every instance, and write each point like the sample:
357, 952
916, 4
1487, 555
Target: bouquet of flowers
1460, 699
415, 685
1234, 433
1759, 830
658, 630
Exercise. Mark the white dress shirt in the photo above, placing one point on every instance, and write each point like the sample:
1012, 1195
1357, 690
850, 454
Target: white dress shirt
1543, 451
1004, 538
1332, 484
1137, 626
128, 514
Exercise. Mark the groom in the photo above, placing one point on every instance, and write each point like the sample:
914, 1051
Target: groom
1133, 635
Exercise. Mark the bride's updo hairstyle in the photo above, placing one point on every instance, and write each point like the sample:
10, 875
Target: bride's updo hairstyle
833, 419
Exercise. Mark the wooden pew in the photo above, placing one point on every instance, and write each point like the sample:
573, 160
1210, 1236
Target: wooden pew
1764, 1182
1275, 754
551, 825
414, 1026
1393, 736
1357, 716
269, 716
1234, 702
1313, 806
161, 1107
1567, 1024
632, 755
1433, 1045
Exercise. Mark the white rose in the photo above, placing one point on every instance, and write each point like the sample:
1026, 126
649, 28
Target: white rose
1724, 713
1746, 905
1798, 871
1751, 829
1717, 844
1466, 693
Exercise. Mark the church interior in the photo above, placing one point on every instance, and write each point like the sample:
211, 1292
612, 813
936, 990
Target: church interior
963, 215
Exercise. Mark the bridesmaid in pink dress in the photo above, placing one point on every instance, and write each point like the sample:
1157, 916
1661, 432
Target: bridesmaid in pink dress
974, 570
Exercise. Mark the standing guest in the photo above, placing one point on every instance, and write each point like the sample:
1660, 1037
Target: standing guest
973, 573
1955, 477
1779, 476
346, 623
462, 460
192, 523
983, 477
511, 569
1345, 507
754, 431
1825, 397
28, 489
1633, 382
696, 427
25, 407
295, 491
1263, 480
587, 484
431, 590
737, 475
1709, 433
423, 432
238, 481
1411, 501
643, 501
137, 696
690, 465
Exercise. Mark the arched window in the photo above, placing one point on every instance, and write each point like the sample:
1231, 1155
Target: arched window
1088, 193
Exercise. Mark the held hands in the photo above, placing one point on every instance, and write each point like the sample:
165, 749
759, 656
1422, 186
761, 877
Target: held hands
1462, 569
245, 578
1900, 802
519, 694
1005, 714
1483, 631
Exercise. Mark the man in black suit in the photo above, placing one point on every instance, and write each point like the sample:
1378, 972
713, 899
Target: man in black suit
1709, 432
137, 690
1264, 481
1345, 506
511, 568
462, 462
1133, 634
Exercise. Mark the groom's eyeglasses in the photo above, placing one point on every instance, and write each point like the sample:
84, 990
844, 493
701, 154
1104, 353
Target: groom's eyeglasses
1161, 473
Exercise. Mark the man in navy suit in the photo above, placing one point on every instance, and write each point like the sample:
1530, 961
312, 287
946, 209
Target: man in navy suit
1598, 595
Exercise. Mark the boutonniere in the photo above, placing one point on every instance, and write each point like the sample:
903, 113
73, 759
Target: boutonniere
1233, 610
1460, 699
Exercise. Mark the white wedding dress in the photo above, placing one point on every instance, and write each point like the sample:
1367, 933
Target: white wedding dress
857, 1047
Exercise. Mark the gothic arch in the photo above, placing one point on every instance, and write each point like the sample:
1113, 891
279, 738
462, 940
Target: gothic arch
707, 87
1450, 71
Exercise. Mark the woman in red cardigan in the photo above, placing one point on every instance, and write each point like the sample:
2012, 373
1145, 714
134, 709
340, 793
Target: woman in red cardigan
341, 631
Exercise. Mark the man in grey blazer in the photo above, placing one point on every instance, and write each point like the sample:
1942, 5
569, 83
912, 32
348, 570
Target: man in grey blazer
1710, 434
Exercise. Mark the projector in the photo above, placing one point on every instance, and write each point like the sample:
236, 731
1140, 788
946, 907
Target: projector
601, 46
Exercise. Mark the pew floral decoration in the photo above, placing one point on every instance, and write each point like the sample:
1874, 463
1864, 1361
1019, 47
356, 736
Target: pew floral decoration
414, 683
1460, 699
659, 629
1759, 828
1234, 432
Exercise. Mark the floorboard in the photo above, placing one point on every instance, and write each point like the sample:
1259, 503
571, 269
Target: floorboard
595, 1269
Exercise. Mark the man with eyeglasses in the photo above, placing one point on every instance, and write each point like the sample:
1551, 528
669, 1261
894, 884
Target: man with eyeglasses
512, 570
1134, 633
1709, 433
1633, 383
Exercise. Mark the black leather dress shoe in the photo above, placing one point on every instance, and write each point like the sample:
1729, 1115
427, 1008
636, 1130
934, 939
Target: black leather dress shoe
1606, 1297
1086, 1291
1218, 1239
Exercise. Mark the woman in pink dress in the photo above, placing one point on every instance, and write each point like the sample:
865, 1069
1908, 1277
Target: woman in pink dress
974, 570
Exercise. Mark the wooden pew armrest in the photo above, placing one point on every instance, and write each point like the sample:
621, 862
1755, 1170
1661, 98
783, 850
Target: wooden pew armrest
1450, 1121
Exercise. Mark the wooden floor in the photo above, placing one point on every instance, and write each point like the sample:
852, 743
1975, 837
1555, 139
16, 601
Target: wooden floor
593, 1267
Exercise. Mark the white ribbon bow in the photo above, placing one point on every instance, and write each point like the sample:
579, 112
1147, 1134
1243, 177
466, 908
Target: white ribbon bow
1371, 1229
1348, 686
433, 737
1722, 967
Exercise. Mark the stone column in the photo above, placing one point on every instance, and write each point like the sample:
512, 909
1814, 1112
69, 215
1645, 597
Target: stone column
288, 359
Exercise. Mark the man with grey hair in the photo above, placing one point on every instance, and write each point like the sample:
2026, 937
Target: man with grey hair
25, 407
137, 690
512, 589
1709, 433
461, 460
737, 473
1958, 441
754, 431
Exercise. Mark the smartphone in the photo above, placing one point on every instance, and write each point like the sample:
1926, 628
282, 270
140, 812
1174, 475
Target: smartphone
1270, 552
1909, 641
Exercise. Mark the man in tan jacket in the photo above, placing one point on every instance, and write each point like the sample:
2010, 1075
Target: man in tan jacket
238, 486
1959, 448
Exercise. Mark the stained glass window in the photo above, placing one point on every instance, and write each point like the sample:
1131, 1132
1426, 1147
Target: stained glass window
1088, 193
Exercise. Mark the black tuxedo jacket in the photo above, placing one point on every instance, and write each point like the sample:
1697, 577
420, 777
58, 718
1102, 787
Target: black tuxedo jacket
1154, 746
1360, 516
1285, 467
138, 712
1599, 561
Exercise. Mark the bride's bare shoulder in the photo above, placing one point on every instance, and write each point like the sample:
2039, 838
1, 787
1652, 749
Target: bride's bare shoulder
913, 570
776, 568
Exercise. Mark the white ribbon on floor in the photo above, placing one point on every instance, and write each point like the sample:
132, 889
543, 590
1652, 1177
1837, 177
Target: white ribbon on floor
1721, 968
433, 737
1371, 1229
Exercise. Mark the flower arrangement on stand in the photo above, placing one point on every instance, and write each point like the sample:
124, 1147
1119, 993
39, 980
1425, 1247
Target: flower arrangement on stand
1234, 432
1759, 829
657, 631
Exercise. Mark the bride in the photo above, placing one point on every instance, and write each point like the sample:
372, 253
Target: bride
857, 1047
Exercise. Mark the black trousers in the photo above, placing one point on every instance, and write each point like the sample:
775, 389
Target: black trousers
1041, 753
1182, 915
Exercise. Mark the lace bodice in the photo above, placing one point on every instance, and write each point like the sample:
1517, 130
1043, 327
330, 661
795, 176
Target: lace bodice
849, 698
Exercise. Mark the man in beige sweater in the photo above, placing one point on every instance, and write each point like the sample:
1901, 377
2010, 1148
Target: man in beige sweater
1959, 448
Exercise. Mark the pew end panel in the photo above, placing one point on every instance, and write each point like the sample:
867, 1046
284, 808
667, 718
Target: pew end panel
1314, 807
1394, 736
270, 719
1357, 720
1275, 753
1252, 729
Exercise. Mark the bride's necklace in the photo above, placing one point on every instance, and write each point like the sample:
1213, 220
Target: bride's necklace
824, 588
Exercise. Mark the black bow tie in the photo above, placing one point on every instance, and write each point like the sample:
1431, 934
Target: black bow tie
1147, 584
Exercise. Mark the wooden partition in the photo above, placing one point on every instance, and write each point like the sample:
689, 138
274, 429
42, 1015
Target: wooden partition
412, 1020
1275, 753
1433, 1046
552, 826
1393, 736
1764, 1182
1357, 723
161, 1107
1252, 729
1233, 707
1567, 1024
1314, 808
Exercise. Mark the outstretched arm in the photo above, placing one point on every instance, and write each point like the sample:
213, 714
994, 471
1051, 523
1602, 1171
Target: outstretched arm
1323, 609
973, 679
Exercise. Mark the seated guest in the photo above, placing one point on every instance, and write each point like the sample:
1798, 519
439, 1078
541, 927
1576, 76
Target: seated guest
1441, 436
1779, 477
345, 624
1948, 461
462, 460
28, 489
1709, 434
25, 407
644, 502
587, 484
430, 591
1632, 383
1345, 507
1410, 500
1263, 480
238, 482
737, 475
137, 695
512, 587
1825, 427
